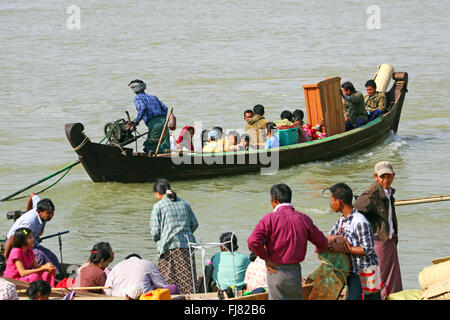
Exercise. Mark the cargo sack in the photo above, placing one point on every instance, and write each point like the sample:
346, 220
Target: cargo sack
328, 280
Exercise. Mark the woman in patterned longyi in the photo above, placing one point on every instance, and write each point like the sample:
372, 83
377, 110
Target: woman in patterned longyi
172, 226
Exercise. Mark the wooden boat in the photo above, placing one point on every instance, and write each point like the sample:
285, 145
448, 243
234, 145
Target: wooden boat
120, 164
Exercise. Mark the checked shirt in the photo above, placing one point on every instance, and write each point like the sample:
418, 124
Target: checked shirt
356, 229
170, 223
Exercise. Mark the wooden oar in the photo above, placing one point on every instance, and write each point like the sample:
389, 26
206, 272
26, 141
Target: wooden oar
422, 200
163, 131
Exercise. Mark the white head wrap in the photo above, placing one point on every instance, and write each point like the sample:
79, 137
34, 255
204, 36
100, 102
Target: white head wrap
138, 87
134, 291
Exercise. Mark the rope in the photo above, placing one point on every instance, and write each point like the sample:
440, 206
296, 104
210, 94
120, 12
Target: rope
81, 144
45, 189
65, 169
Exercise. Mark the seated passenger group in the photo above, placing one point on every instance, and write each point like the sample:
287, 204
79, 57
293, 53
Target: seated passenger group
358, 112
261, 133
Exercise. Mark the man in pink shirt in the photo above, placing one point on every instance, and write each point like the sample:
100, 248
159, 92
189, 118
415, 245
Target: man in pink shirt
281, 238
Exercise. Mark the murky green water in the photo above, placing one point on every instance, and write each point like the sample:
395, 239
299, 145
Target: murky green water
211, 60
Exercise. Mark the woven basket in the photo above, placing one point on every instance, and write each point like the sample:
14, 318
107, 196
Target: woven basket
435, 281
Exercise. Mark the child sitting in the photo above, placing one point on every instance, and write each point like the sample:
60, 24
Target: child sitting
232, 145
297, 118
92, 274
213, 145
39, 290
272, 141
21, 264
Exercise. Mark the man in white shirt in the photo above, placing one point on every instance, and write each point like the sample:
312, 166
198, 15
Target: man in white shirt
133, 271
39, 212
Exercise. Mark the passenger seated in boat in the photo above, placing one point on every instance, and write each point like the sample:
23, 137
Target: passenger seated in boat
245, 142
256, 126
21, 263
229, 266
213, 145
354, 107
285, 119
376, 100
221, 140
272, 140
297, 119
184, 141
248, 114
233, 142
255, 276
204, 137
134, 270
92, 273
39, 290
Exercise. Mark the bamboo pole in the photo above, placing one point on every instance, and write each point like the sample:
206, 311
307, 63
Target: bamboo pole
71, 289
163, 131
422, 200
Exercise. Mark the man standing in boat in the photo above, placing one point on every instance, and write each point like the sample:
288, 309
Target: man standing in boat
154, 113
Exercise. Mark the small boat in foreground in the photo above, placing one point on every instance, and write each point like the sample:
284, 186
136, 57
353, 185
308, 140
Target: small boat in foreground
113, 163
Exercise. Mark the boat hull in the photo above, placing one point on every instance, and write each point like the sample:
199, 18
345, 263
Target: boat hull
106, 163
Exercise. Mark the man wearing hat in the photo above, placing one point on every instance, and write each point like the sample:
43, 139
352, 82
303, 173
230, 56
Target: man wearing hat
154, 113
377, 205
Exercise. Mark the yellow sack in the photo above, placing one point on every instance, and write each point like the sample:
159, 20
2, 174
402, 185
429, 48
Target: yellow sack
157, 294
413, 294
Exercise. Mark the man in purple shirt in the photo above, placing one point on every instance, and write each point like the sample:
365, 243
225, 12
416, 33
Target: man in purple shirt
281, 238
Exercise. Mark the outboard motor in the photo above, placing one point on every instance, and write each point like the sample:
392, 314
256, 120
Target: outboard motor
119, 133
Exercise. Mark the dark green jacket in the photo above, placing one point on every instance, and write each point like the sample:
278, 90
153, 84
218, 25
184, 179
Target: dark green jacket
355, 108
374, 205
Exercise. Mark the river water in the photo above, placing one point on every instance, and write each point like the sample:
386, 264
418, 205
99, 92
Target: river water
211, 60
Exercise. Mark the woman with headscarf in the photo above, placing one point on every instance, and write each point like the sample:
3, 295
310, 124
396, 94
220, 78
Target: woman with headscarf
184, 141
172, 226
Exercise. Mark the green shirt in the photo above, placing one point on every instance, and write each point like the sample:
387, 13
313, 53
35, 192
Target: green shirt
377, 101
170, 223
354, 108
224, 272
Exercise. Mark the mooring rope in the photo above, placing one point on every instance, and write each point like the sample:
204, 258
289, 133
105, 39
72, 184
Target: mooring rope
66, 169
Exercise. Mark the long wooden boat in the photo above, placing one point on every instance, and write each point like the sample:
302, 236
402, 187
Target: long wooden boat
111, 163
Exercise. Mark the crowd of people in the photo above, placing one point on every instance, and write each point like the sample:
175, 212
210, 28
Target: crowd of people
366, 230
260, 133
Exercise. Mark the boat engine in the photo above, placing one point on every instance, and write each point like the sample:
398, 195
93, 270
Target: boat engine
119, 134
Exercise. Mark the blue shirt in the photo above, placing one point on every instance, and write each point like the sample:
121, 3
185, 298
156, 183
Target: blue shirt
224, 272
148, 107
30, 220
273, 142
